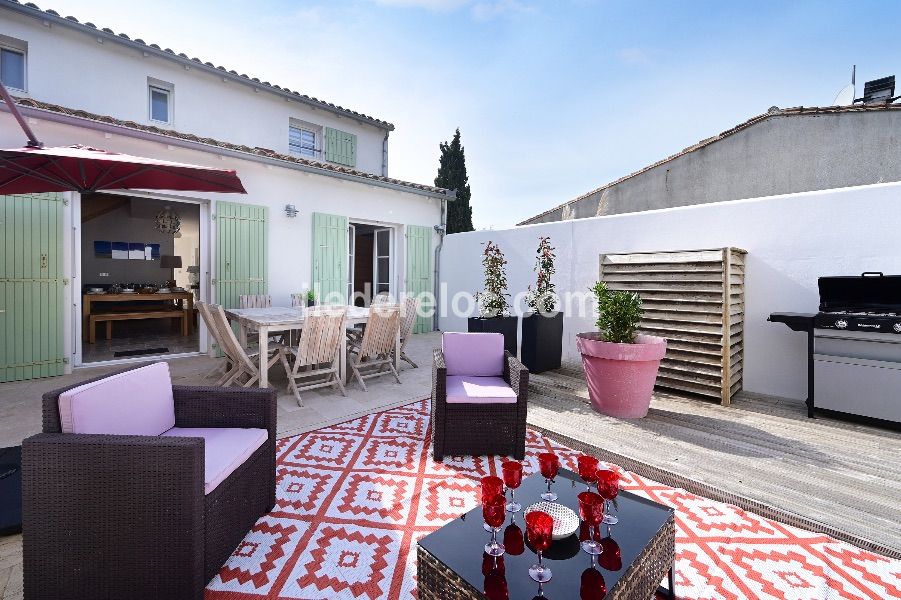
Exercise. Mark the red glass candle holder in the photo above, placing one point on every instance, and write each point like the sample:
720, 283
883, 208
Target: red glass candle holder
494, 511
539, 529
549, 464
608, 487
512, 472
591, 509
588, 469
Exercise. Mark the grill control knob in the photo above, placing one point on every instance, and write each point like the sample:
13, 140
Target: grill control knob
841, 324
897, 327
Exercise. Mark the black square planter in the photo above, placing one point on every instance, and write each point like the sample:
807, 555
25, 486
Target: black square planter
504, 325
542, 341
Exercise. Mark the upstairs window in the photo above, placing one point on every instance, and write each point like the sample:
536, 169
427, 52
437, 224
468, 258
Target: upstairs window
12, 68
302, 141
160, 104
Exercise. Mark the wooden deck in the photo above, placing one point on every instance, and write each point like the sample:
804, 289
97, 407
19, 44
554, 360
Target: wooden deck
761, 453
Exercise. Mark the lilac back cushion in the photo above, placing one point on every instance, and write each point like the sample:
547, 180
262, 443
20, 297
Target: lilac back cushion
478, 354
137, 402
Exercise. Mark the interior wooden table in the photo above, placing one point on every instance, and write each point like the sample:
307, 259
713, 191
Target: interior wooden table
275, 318
186, 299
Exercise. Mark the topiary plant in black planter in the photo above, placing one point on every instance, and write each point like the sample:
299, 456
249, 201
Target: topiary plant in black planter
492, 300
542, 328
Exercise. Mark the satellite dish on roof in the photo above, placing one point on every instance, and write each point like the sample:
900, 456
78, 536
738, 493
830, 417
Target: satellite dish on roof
845, 96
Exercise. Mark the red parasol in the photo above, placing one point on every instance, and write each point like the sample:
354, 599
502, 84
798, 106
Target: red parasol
35, 169
84, 169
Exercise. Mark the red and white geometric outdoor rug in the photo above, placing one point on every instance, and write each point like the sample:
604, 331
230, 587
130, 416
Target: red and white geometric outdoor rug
354, 498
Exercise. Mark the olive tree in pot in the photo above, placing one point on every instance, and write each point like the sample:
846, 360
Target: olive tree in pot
542, 329
620, 366
492, 300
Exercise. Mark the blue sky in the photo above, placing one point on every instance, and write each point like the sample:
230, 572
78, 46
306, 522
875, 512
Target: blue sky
553, 98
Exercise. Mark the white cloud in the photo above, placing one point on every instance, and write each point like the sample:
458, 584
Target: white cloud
485, 11
436, 5
633, 56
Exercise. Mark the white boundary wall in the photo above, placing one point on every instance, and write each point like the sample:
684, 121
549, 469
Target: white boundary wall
791, 241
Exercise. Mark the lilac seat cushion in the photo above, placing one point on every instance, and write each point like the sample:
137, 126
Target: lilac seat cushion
225, 449
464, 389
477, 354
136, 402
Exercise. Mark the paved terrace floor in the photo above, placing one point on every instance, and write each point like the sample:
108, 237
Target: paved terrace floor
837, 476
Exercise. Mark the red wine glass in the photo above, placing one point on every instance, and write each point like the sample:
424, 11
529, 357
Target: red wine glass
495, 577
549, 464
494, 511
608, 487
512, 471
593, 586
491, 487
539, 529
514, 543
612, 557
591, 509
588, 469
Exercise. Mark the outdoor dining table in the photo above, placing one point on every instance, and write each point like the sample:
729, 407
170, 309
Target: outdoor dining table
276, 318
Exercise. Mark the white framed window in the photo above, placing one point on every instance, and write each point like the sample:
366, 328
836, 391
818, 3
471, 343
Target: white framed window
159, 97
302, 140
12, 68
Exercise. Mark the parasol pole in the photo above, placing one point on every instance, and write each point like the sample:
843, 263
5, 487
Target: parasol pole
33, 141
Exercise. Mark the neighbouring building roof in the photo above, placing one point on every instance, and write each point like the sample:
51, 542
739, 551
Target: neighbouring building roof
313, 165
772, 112
50, 14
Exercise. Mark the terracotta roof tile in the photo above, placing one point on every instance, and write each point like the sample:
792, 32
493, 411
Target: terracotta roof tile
326, 167
181, 56
772, 112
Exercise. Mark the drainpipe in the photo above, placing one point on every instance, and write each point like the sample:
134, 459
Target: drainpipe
385, 155
442, 230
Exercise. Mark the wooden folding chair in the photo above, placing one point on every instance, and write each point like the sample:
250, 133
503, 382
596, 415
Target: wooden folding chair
408, 322
319, 349
244, 371
377, 345
228, 366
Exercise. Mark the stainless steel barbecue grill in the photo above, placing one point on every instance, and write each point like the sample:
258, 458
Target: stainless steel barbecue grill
854, 346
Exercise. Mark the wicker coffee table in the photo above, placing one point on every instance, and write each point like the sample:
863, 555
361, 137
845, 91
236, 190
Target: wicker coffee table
451, 565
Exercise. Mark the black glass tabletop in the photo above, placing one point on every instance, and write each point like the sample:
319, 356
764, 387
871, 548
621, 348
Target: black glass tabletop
460, 545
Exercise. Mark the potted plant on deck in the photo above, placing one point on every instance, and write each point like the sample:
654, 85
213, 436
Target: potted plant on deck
620, 366
492, 300
542, 329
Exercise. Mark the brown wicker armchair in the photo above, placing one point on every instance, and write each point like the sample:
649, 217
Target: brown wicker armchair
473, 429
125, 516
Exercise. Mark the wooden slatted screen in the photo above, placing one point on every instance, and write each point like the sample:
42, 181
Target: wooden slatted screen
694, 299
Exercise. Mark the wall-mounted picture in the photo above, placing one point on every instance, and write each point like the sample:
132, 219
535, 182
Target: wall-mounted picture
126, 250
103, 249
120, 250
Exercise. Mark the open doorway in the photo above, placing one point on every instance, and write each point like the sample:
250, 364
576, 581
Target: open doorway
140, 275
371, 262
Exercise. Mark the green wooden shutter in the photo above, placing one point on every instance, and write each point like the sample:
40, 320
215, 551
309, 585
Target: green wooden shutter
31, 286
419, 269
340, 147
241, 260
330, 256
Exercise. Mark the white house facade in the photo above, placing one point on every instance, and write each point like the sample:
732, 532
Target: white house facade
355, 230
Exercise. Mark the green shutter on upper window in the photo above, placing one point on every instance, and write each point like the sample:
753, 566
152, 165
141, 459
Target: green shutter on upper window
340, 147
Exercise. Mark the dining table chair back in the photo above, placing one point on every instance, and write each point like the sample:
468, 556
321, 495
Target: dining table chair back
317, 354
376, 348
407, 324
254, 301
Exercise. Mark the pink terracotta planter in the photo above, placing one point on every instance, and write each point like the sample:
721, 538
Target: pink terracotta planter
621, 376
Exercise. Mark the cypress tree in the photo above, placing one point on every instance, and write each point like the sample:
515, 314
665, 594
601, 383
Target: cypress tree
452, 176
